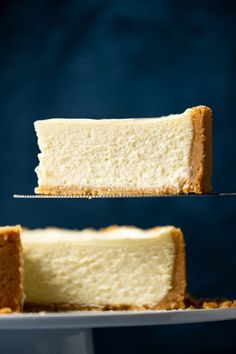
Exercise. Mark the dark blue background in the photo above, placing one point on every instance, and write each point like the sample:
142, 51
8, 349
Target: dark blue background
127, 58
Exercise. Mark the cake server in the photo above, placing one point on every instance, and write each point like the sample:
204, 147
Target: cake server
46, 196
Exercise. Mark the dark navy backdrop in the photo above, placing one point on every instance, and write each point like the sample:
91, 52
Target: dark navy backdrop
101, 58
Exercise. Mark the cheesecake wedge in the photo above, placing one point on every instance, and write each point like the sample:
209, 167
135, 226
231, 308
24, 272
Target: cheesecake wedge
151, 156
116, 268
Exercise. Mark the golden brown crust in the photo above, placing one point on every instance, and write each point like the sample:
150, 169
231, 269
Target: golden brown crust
201, 153
187, 304
215, 304
191, 302
116, 192
92, 192
32, 307
11, 277
200, 165
5, 310
175, 297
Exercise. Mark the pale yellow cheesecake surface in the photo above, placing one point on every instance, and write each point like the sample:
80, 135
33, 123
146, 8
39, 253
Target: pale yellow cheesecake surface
126, 156
115, 268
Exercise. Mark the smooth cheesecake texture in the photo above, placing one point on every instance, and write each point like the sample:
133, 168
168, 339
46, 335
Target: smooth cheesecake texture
126, 156
115, 268
11, 272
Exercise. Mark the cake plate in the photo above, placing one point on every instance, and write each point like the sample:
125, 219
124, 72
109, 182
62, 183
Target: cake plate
71, 332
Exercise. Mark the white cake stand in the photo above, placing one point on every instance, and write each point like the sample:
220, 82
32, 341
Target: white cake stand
71, 333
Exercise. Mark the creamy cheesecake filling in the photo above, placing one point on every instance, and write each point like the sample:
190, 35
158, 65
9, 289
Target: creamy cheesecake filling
122, 153
126, 266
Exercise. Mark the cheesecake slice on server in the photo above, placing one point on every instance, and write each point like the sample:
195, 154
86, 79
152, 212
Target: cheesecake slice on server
117, 268
150, 156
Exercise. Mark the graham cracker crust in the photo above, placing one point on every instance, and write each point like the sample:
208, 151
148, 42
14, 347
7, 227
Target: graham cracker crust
11, 269
6, 310
200, 164
201, 154
189, 303
175, 297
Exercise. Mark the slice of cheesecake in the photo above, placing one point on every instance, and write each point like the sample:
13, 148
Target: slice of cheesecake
114, 268
11, 273
167, 155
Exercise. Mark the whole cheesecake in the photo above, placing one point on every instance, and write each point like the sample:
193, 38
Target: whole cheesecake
11, 270
151, 156
114, 268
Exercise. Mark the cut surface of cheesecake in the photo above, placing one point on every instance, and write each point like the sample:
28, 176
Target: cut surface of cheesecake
11, 272
150, 156
114, 268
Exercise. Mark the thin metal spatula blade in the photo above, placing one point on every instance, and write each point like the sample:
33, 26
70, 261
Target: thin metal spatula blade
47, 196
